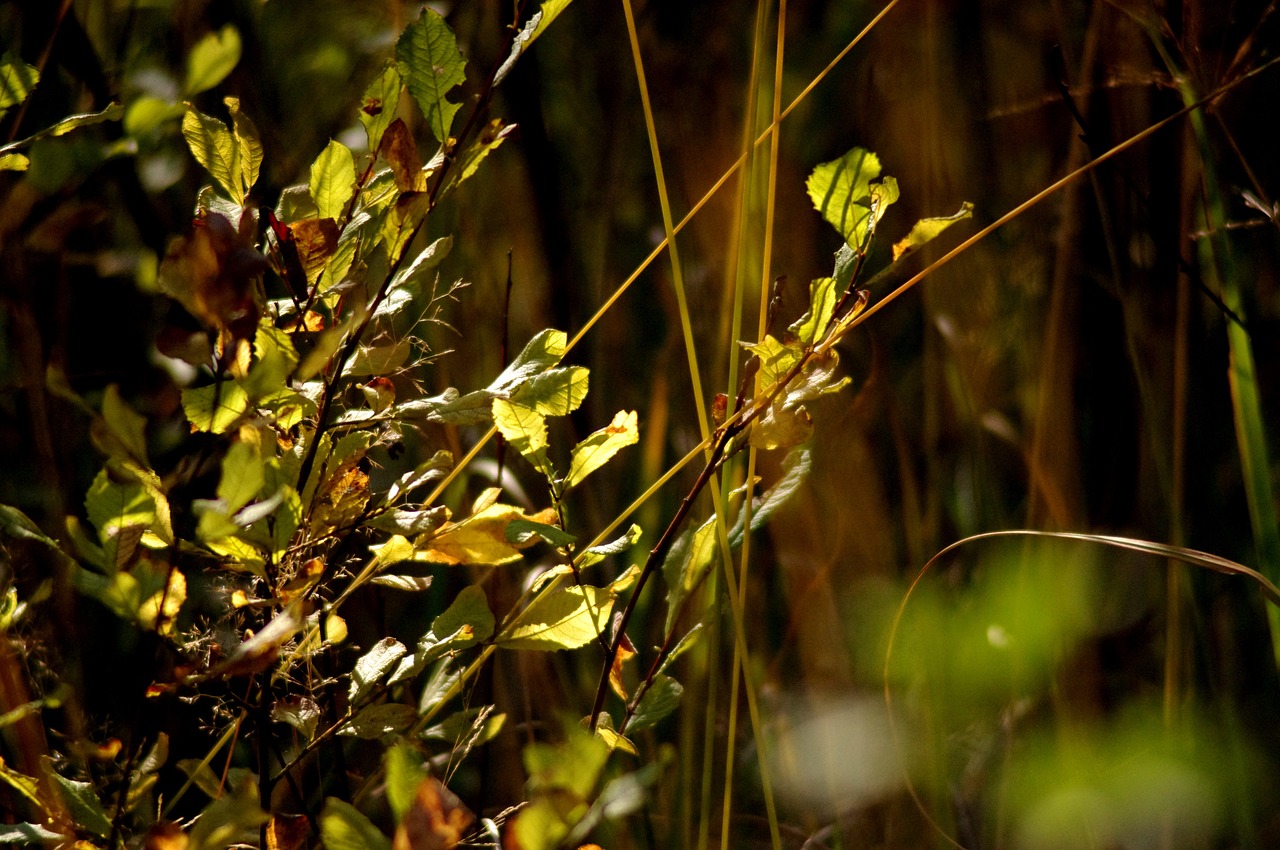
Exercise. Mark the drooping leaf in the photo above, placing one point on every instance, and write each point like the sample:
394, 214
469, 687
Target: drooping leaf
333, 180
211, 59
378, 106
344, 827
428, 59
598, 448
17, 79
563, 619
843, 192
536, 26
927, 229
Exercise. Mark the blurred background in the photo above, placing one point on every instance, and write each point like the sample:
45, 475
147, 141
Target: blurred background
1070, 372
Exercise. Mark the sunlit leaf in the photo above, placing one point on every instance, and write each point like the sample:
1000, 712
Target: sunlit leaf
161, 608
823, 294
534, 28
378, 106
469, 728
842, 191
17, 79
614, 547
114, 506
525, 430
927, 229
781, 427
248, 146
555, 392
427, 260
343, 827
243, 472
373, 666
215, 148
14, 162
563, 619
260, 651
479, 539
410, 522
29, 833
490, 137
333, 180
598, 448
301, 713
522, 532
428, 59
401, 153
211, 59
686, 564
776, 360
626, 651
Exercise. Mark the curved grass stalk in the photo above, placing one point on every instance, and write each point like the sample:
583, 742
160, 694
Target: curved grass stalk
1164, 551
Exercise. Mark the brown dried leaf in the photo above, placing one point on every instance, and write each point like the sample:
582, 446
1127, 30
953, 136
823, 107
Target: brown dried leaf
401, 153
316, 240
436, 819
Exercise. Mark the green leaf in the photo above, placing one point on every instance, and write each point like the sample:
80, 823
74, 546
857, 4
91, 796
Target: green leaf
795, 469
525, 429
598, 448
686, 565
14, 523
29, 833
17, 79
426, 261
26, 786
927, 229
410, 522
373, 666
404, 771
215, 408
539, 354
842, 191
596, 554
14, 162
555, 392
113, 508
428, 59
229, 820
662, 698
82, 802
214, 147
470, 609
343, 827
276, 360
378, 106
521, 532
470, 727
333, 180
211, 60
812, 326
493, 135
374, 721
148, 112
776, 360
536, 26
564, 619
571, 767
242, 475
248, 146
125, 424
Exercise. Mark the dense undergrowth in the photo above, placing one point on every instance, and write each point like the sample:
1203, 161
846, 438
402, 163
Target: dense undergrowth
355, 495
